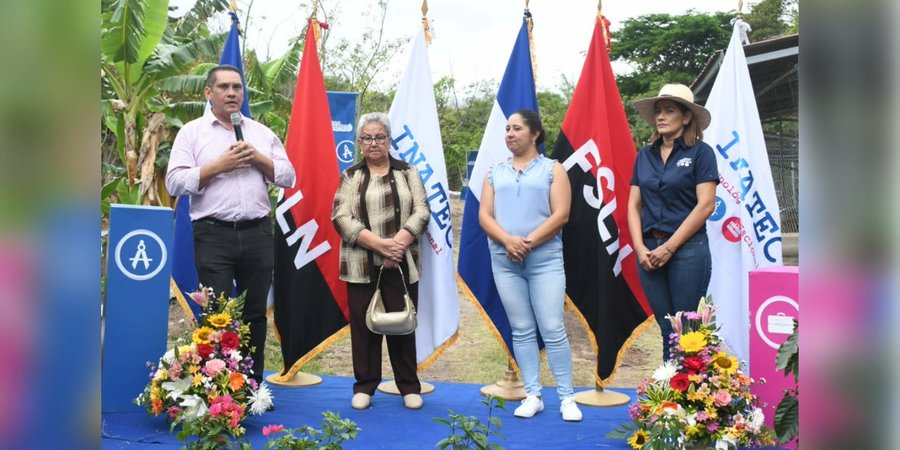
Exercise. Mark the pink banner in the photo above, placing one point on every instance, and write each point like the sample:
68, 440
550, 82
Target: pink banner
774, 304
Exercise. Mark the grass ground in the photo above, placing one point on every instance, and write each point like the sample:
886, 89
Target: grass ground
476, 357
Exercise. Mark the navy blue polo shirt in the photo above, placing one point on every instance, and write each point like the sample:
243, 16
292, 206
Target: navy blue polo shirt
669, 191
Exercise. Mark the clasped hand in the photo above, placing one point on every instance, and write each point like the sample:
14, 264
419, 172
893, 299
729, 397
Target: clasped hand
238, 155
517, 248
392, 252
651, 260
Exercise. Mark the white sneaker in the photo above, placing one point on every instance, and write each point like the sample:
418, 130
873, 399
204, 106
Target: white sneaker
569, 410
530, 406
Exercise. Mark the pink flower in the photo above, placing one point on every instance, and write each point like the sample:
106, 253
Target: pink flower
214, 366
272, 429
202, 296
706, 313
722, 398
676, 322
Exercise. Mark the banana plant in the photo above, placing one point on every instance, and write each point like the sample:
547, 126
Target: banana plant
140, 53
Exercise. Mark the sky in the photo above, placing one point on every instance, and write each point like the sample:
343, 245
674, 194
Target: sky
472, 38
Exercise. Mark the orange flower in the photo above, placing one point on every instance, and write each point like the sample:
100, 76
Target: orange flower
236, 381
157, 405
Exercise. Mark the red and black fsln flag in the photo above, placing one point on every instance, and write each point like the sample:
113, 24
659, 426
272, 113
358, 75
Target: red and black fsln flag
310, 299
597, 150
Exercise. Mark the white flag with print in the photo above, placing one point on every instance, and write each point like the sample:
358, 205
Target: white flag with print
416, 139
745, 229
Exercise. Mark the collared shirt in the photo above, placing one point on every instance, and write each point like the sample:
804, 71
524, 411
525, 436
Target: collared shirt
522, 199
241, 194
669, 190
383, 207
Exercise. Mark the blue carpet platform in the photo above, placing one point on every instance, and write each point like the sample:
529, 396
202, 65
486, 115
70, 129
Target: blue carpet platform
388, 424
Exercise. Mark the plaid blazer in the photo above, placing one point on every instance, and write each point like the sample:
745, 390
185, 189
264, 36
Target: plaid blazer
389, 211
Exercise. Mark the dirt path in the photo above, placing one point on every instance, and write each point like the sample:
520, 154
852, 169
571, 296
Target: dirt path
477, 357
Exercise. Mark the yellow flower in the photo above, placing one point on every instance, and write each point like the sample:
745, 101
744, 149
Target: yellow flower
201, 335
692, 342
219, 320
711, 412
197, 380
192, 369
696, 396
692, 430
724, 364
695, 378
638, 439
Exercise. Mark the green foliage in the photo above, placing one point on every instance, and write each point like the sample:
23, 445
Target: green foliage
663, 43
468, 432
769, 18
662, 49
335, 431
210, 434
787, 414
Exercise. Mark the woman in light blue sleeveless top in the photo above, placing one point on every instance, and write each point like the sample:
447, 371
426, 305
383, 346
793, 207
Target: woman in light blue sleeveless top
524, 205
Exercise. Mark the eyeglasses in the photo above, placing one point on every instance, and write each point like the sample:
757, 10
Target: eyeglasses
368, 140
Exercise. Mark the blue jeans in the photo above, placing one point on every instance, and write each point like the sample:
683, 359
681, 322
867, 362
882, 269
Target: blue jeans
679, 284
533, 292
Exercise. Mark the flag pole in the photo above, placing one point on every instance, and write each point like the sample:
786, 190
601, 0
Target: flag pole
600, 396
390, 387
299, 379
509, 388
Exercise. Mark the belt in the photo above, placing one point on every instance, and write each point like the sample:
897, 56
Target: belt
239, 225
656, 234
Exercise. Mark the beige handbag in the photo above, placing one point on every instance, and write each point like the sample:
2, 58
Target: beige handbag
390, 323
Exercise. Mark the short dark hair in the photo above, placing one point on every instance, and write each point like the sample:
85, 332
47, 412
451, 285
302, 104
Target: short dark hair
211, 75
532, 120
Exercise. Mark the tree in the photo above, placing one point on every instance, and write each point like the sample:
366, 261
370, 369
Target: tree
663, 48
770, 18
140, 52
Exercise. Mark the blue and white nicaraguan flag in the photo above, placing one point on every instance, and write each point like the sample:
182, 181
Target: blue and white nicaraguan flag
517, 91
416, 139
745, 229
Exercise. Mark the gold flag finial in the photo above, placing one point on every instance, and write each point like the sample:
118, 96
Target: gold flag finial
740, 7
425, 25
599, 7
233, 6
530, 22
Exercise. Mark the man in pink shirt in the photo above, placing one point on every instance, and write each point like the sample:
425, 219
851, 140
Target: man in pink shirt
228, 180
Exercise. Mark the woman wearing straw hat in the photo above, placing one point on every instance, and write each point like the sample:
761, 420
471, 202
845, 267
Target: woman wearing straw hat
673, 192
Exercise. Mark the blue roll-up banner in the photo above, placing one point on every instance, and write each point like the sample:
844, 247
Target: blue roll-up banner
343, 125
139, 264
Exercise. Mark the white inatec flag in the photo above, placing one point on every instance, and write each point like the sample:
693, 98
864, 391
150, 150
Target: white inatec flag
745, 229
416, 139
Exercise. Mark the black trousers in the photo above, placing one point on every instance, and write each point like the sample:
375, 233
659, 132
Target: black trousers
225, 256
366, 345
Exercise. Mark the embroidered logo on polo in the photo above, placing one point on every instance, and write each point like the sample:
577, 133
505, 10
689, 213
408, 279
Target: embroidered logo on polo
684, 162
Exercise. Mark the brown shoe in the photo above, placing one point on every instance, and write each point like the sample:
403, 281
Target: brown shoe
413, 401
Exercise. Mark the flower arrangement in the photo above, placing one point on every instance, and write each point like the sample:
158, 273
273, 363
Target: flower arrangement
699, 397
203, 382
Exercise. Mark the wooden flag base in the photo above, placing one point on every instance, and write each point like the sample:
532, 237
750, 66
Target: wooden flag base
390, 387
300, 379
509, 388
601, 397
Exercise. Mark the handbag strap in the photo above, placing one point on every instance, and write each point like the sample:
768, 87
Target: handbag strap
402, 278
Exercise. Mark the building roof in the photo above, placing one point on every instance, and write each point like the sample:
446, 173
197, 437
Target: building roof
773, 66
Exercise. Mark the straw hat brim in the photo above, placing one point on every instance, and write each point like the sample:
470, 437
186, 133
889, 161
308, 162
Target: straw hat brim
646, 106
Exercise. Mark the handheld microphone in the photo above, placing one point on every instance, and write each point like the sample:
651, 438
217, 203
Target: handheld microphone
236, 122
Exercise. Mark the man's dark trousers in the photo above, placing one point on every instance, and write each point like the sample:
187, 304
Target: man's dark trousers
242, 252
